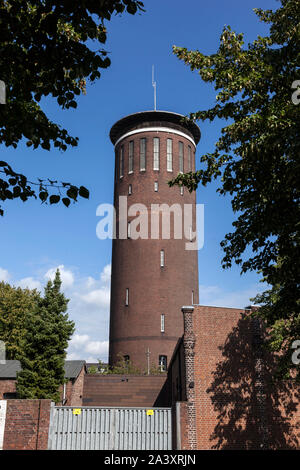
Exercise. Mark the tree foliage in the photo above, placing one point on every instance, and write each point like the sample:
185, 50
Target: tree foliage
48, 48
47, 332
256, 159
15, 305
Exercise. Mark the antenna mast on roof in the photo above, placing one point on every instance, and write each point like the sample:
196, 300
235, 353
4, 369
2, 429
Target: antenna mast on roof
154, 86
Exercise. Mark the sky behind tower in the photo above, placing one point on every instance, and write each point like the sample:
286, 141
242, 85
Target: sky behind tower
36, 239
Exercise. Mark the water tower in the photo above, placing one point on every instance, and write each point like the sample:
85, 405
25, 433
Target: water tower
153, 277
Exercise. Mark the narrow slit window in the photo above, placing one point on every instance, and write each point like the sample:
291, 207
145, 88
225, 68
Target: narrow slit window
181, 190
169, 155
142, 154
127, 297
156, 186
162, 258
121, 162
156, 153
162, 323
130, 190
189, 158
116, 166
130, 157
192, 297
180, 157
128, 230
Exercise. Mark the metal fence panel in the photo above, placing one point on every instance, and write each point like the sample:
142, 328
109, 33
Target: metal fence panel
100, 428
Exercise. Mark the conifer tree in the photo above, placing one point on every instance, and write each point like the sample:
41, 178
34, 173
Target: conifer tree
48, 330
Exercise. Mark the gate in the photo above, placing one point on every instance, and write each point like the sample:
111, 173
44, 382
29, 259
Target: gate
116, 428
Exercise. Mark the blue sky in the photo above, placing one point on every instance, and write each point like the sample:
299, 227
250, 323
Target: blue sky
35, 238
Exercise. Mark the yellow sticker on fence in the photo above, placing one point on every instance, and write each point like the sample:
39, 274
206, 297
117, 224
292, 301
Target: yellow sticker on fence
76, 411
150, 412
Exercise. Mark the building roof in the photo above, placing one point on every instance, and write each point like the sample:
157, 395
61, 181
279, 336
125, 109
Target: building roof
73, 368
121, 126
9, 369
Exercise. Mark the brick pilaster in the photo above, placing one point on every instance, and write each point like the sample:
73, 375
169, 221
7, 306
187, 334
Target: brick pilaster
189, 357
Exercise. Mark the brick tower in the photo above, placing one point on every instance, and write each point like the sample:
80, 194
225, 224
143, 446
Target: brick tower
151, 277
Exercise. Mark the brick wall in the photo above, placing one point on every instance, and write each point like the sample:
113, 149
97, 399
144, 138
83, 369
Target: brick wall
125, 390
76, 396
74, 390
235, 402
7, 386
137, 327
27, 425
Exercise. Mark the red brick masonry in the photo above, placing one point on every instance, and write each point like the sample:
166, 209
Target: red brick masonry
231, 393
125, 390
27, 425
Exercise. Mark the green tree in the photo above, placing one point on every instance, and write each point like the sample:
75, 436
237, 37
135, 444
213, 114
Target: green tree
48, 330
48, 48
256, 159
15, 305
124, 366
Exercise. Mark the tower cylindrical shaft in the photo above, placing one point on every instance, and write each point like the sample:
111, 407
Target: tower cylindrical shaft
154, 272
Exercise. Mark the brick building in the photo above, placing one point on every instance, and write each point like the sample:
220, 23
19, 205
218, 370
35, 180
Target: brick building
71, 392
222, 383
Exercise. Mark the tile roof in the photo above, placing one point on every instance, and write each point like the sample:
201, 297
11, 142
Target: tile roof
9, 369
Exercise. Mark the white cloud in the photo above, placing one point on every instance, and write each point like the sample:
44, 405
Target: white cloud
219, 297
88, 307
4, 275
83, 347
29, 283
98, 297
106, 274
97, 347
67, 277
78, 341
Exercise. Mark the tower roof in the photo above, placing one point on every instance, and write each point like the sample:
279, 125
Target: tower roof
132, 120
